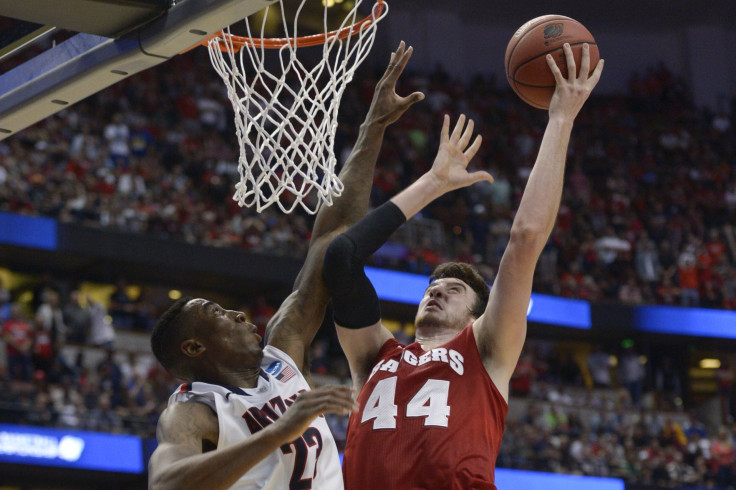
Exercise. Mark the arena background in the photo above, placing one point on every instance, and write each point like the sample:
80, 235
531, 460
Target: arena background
119, 204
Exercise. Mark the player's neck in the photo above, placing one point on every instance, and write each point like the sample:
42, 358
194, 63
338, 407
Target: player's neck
431, 336
241, 378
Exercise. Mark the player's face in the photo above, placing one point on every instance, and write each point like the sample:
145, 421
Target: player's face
447, 302
226, 333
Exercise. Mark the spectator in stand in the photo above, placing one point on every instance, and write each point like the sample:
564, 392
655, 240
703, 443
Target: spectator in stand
724, 458
667, 293
43, 348
630, 292
631, 374
18, 336
122, 306
729, 288
668, 388
599, 364
610, 247
646, 260
688, 277
50, 319
103, 417
569, 372
523, 376
102, 333
117, 134
110, 378
4, 301
725, 378
76, 318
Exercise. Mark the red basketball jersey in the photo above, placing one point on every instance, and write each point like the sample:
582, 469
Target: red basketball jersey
429, 420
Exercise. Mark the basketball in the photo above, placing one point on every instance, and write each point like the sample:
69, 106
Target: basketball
526, 65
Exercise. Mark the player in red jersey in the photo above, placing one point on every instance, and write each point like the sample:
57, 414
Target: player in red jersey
432, 413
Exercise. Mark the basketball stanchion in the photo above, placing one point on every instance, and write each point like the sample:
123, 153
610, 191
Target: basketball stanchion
286, 114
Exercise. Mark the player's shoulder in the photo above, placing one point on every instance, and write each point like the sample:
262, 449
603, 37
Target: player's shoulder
182, 419
272, 354
391, 346
181, 411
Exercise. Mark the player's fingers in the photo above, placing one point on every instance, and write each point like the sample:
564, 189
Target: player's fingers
585, 63
570, 62
555, 69
312, 397
445, 128
399, 64
392, 65
481, 175
396, 55
314, 406
333, 389
470, 152
335, 401
411, 99
467, 134
593, 80
458, 128
332, 406
400, 49
416, 97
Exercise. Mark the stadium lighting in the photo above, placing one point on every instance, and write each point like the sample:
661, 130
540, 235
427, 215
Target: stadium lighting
710, 363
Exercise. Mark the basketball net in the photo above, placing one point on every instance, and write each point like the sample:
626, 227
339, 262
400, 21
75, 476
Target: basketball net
286, 120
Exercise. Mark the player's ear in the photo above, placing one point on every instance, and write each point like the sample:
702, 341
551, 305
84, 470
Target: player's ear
192, 348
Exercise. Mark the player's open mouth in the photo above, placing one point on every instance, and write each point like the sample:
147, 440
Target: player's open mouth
433, 304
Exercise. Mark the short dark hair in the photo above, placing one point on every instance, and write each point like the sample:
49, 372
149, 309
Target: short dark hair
470, 276
165, 334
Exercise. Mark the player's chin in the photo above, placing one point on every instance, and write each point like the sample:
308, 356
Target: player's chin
431, 315
258, 353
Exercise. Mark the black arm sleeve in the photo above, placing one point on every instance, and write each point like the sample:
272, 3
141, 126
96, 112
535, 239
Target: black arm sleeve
354, 299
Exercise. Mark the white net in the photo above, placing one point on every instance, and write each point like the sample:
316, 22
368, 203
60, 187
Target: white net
286, 120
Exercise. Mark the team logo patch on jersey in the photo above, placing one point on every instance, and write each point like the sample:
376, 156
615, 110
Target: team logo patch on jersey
274, 367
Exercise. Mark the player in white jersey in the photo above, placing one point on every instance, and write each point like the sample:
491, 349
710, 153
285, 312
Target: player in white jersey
310, 461
246, 417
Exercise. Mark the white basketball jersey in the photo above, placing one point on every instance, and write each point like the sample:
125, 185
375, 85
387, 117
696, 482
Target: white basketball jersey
310, 462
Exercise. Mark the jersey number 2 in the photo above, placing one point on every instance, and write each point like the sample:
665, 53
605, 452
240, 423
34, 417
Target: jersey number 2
429, 402
311, 439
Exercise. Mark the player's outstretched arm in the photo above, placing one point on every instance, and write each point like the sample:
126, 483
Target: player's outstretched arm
179, 463
357, 313
300, 316
500, 332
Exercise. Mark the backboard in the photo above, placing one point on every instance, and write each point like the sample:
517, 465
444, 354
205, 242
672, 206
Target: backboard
110, 41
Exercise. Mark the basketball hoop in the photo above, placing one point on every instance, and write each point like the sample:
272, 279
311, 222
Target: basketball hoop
286, 120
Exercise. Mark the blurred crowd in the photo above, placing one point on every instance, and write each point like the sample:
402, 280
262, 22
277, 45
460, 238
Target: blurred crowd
563, 430
63, 368
570, 414
646, 217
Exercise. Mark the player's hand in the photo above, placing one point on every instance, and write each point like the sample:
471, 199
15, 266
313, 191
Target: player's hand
387, 106
571, 94
311, 404
450, 167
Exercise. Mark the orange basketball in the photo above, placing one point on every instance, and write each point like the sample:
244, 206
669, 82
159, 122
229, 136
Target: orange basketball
526, 66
